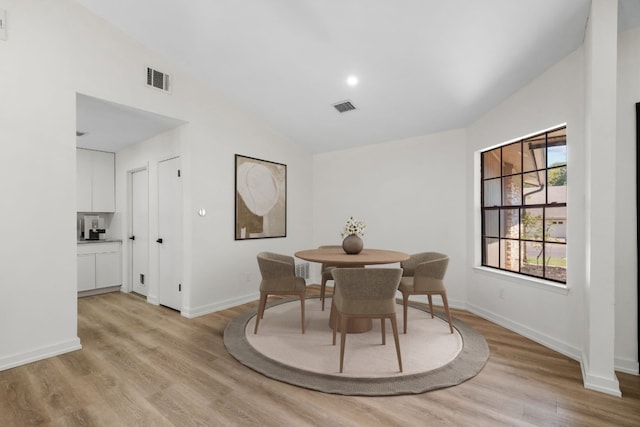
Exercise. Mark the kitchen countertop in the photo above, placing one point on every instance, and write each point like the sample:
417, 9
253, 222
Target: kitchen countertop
100, 241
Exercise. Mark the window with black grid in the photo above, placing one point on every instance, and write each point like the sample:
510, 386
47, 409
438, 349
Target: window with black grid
524, 206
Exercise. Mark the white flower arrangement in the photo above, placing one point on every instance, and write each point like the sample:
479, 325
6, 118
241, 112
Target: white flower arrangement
353, 226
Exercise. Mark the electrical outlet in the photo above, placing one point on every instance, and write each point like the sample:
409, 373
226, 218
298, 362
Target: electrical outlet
501, 293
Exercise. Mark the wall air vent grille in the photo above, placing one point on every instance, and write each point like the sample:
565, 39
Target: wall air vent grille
158, 80
344, 106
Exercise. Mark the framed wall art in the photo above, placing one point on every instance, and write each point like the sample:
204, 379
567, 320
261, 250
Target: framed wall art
261, 198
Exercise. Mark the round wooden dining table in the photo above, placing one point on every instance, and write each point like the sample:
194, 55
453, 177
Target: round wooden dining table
338, 257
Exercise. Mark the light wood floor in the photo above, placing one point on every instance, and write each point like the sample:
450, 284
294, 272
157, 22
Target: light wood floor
147, 365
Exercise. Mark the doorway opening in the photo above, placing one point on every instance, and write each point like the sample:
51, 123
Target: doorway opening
138, 140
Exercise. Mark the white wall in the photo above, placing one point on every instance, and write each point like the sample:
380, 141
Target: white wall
43, 67
600, 116
626, 292
543, 313
409, 192
37, 170
225, 272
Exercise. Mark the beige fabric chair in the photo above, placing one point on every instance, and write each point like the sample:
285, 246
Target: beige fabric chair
279, 278
422, 275
326, 270
365, 293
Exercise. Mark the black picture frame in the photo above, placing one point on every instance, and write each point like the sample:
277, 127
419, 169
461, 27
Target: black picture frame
260, 198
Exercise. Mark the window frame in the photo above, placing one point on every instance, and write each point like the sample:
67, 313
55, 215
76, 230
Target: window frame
501, 231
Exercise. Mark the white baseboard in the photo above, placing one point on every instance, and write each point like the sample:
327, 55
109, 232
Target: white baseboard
543, 339
627, 366
99, 291
620, 365
596, 383
19, 359
191, 312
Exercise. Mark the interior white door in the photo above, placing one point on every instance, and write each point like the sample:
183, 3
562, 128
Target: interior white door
139, 237
170, 233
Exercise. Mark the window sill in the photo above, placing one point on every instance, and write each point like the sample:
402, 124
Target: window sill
525, 280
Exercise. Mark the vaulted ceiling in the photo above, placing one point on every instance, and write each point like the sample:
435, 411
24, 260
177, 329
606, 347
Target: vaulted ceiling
423, 65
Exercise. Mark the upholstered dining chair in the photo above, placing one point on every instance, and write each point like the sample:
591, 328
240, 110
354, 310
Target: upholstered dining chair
279, 278
365, 293
326, 270
423, 274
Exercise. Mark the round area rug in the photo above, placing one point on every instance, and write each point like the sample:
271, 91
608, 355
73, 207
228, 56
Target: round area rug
428, 344
432, 357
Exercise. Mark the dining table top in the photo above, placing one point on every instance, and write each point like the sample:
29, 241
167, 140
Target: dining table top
337, 256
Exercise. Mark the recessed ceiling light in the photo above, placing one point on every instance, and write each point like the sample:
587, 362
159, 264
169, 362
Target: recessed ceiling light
352, 80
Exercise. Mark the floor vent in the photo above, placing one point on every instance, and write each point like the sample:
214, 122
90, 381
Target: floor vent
344, 106
302, 270
158, 80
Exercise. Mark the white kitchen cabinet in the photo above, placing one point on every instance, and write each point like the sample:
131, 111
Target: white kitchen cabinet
86, 272
107, 269
95, 181
99, 266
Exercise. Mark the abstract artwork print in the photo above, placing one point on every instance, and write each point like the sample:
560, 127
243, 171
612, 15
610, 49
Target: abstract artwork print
261, 198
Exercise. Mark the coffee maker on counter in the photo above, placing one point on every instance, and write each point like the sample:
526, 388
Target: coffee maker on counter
94, 228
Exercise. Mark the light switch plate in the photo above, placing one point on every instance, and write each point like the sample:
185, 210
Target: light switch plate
3, 24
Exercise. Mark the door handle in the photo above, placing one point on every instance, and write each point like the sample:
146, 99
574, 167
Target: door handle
159, 240
132, 238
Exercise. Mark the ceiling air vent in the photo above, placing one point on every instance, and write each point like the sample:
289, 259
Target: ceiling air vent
158, 79
344, 106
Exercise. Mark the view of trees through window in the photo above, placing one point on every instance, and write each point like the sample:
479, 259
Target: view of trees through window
524, 206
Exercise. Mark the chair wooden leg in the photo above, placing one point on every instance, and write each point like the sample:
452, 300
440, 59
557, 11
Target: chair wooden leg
323, 288
260, 314
394, 326
446, 309
334, 316
405, 303
264, 304
302, 311
343, 338
384, 334
430, 305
